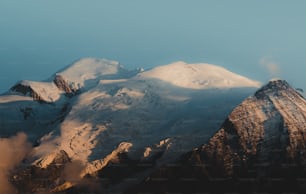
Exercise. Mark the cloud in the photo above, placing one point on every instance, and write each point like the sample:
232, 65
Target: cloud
271, 66
72, 171
13, 150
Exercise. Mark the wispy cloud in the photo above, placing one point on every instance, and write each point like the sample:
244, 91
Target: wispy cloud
271, 66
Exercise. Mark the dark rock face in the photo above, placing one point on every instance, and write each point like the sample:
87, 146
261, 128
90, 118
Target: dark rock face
275, 88
23, 89
63, 85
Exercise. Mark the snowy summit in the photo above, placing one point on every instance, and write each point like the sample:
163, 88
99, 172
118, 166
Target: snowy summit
198, 76
88, 69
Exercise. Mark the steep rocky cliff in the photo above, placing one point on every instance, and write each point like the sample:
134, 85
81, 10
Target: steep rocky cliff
63, 84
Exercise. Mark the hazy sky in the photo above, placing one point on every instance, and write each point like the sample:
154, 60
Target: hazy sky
257, 38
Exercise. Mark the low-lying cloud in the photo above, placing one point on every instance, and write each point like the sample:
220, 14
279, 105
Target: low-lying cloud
13, 150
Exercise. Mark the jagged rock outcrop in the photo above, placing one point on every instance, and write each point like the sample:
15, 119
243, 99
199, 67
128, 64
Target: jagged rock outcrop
27, 90
63, 85
97, 165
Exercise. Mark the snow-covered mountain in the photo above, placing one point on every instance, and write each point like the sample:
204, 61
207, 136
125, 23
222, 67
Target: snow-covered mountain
96, 113
86, 73
38, 107
143, 112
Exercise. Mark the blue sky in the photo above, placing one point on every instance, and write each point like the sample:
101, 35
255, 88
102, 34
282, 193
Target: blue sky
260, 39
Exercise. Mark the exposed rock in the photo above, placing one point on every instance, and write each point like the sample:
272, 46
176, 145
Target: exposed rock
62, 84
27, 90
97, 165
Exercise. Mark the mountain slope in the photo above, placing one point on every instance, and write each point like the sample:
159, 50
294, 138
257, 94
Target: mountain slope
260, 147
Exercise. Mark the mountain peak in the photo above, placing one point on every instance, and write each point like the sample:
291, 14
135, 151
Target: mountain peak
198, 76
277, 84
275, 88
85, 72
